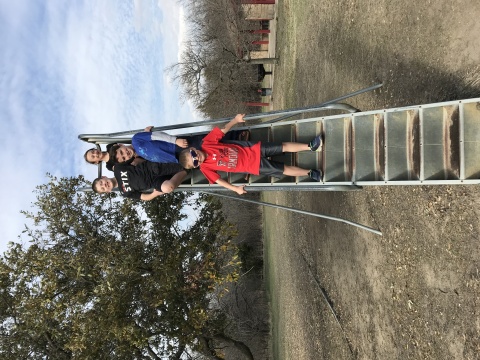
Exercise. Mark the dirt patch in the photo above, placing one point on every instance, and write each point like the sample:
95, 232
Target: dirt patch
415, 291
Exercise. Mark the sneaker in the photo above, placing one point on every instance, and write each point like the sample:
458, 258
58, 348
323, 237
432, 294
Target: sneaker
316, 175
316, 143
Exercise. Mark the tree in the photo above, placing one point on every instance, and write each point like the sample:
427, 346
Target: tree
215, 71
113, 279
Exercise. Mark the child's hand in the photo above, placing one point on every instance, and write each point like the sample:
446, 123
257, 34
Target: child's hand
182, 143
156, 192
239, 118
240, 190
148, 129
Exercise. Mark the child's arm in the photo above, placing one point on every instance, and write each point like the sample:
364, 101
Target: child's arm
238, 189
237, 119
162, 136
151, 196
167, 186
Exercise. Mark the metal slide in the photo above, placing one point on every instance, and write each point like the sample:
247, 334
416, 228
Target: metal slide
417, 145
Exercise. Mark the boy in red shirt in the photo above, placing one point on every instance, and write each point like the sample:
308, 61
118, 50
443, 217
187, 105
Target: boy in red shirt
244, 157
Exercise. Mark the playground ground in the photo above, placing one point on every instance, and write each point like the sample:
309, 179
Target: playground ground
413, 293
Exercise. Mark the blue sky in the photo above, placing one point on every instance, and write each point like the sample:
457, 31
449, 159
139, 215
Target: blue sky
71, 67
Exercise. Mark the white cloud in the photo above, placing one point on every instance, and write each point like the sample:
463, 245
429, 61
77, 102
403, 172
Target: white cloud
182, 32
84, 66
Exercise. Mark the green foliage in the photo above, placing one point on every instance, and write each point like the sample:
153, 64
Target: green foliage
112, 279
249, 258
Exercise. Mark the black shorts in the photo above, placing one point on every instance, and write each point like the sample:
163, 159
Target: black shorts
271, 167
267, 149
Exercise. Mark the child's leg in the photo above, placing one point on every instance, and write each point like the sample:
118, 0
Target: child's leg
294, 147
315, 174
314, 145
277, 169
290, 170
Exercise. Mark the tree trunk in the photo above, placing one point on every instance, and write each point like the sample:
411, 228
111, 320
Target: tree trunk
262, 61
